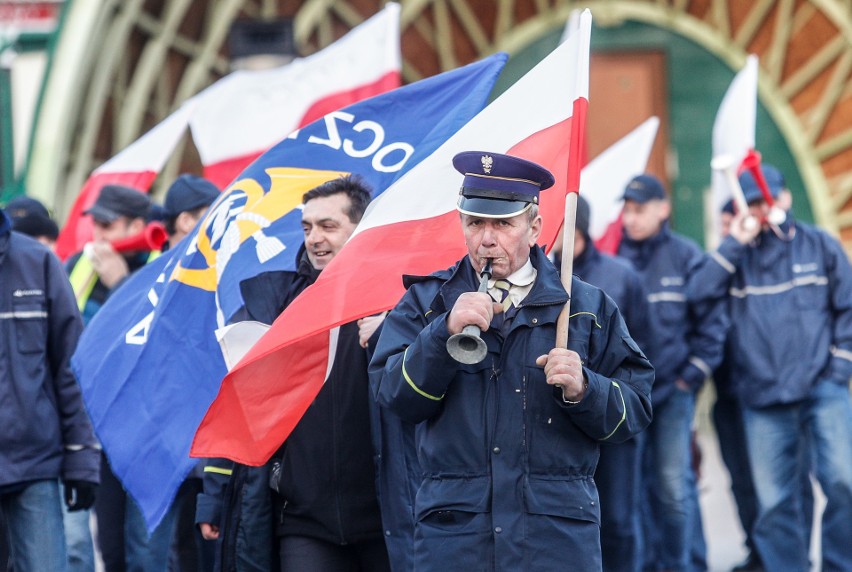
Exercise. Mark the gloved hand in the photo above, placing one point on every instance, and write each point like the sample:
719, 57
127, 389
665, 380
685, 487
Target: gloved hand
80, 495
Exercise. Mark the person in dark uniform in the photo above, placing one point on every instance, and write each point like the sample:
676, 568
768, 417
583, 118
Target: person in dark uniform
617, 475
789, 289
508, 447
685, 348
321, 514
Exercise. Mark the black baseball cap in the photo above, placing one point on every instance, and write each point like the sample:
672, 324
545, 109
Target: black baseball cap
117, 200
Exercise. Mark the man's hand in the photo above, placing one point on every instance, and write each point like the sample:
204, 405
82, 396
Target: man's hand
209, 531
564, 368
80, 495
368, 326
472, 308
109, 264
744, 227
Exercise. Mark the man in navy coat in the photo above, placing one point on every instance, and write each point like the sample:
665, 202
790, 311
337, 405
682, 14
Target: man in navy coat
508, 446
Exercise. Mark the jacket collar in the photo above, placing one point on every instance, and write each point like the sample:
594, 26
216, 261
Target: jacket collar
586, 259
304, 268
640, 251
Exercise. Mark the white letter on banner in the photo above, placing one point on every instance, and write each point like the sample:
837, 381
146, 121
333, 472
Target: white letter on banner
378, 139
406, 149
138, 334
333, 140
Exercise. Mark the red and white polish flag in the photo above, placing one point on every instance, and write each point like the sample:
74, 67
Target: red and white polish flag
412, 228
244, 114
241, 116
605, 178
136, 166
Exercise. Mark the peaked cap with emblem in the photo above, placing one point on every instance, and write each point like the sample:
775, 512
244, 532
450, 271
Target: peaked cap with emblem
497, 185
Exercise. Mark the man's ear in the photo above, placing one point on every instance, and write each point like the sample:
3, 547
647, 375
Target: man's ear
665, 209
136, 226
535, 230
185, 222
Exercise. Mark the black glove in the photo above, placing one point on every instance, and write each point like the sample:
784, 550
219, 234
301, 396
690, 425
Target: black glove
80, 495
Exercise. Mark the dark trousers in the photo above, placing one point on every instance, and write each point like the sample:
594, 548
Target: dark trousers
728, 419
189, 551
617, 478
110, 512
4, 545
312, 555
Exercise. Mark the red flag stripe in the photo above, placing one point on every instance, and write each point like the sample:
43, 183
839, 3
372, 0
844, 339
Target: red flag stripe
343, 294
78, 229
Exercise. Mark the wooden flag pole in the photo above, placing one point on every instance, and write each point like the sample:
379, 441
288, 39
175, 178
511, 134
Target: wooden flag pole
567, 267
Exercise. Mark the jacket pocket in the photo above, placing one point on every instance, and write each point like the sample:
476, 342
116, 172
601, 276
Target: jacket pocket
453, 524
30, 319
564, 498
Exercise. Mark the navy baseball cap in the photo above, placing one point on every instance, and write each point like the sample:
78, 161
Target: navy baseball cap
644, 188
23, 205
36, 225
188, 193
774, 180
497, 185
117, 200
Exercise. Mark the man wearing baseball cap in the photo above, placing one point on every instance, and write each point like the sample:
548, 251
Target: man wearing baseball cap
118, 212
186, 200
789, 286
29, 216
684, 343
508, 446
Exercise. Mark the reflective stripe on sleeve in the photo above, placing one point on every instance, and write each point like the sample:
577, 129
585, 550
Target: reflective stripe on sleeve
218, 470
723, 262
623, 412
842, 354
411, 383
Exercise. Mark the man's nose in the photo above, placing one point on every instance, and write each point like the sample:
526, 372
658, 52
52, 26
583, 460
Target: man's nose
489, 237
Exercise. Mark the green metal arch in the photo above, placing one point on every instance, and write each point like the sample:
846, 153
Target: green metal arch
610, 13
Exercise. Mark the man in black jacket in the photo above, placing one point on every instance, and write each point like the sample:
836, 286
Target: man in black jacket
326, 516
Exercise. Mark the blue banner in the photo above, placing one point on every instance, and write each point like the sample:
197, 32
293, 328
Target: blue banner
149, 364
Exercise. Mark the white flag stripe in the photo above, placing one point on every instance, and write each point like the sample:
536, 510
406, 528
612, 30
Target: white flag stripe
734, 128
605, 177
249, 111
437, 172
150, 152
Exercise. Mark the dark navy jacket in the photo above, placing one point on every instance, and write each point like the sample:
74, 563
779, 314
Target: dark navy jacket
619, 280
686, 336
45, 432
507, 464
791, 308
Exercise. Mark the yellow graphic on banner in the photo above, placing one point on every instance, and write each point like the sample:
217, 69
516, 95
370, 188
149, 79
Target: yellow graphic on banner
230, 224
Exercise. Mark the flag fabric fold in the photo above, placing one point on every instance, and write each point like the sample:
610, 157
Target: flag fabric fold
242, 115
247, 112
606, 177
149, 363
135, 166
413, 229
733, 136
